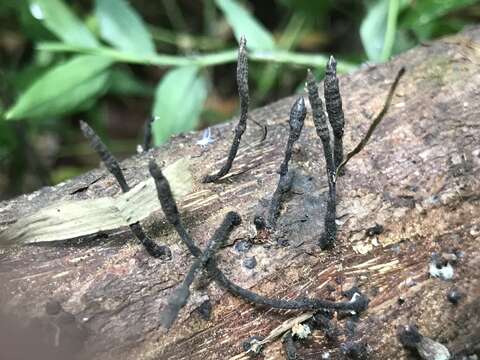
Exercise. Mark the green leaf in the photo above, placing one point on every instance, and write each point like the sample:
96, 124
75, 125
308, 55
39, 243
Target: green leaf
63, 89
58, 18
121, 26
378, 30
244, 24
372, 29
179, 99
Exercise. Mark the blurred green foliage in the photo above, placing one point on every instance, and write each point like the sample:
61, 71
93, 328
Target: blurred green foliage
65, 60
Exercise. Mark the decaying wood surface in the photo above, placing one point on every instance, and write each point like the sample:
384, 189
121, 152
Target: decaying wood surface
418, 177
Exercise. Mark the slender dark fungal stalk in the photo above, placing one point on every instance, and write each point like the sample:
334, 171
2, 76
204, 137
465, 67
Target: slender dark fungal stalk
360, 304
105, 155
147, 133
289, 346
242, 83
182, 293
113, 167
264, 130
320, 122
169, 207
297, 117
375, 121
321, 126
283, 187
296, 120
333, 102
155, 250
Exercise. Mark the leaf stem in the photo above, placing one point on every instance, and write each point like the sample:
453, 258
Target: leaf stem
203, 60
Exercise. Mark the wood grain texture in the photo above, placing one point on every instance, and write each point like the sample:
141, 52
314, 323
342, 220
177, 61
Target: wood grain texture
418, 177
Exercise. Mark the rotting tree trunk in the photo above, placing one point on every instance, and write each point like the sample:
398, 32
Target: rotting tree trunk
418, 177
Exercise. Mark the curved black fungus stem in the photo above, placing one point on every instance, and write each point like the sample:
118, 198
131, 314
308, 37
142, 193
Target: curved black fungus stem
333, 102
170, 210
297, 118
147, 133
297, 304
321, 126
264, 130
155, 250
180, 296
113, 167
242, 83
375, 121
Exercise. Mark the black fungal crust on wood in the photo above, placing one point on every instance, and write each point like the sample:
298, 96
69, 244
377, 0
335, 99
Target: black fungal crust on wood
432, 123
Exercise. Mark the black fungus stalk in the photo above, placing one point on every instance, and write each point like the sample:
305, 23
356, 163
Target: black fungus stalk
113, 167
375, 121
360, 304
182, 293
333, 102
152, 248
169, 207
242, 83
289, 346
297, 118
320, 121
106, 156
147, 134
170, 210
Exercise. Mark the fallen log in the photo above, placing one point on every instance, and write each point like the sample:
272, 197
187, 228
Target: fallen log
407, 205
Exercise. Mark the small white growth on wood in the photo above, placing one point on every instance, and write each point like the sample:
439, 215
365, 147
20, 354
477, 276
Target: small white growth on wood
206, 138
352, 300
445, 272
301, 331
255, 346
